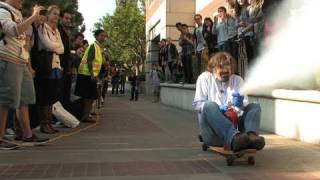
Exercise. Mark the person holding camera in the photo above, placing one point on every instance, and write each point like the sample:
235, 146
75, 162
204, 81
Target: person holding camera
224, 115
16, 84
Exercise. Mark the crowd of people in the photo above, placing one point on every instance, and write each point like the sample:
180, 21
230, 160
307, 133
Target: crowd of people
43, 60
238, 32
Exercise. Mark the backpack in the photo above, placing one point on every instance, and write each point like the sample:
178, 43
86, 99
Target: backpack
13, 19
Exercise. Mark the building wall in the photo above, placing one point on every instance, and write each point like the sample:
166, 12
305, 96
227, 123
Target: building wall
161, 17
209, 8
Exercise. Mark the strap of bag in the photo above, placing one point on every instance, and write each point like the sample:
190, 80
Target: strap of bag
13, 19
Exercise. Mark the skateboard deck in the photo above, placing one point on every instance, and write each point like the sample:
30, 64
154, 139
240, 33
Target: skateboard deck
247, 154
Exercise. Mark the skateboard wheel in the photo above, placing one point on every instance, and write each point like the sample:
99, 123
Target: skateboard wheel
230, 161
200, 138
204, 147
251, 160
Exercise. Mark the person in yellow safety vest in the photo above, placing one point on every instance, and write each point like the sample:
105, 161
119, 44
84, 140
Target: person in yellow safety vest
89, 69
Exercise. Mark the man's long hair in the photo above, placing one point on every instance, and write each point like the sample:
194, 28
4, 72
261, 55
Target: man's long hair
219, 60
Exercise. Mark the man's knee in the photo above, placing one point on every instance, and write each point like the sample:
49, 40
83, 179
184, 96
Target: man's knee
209, 106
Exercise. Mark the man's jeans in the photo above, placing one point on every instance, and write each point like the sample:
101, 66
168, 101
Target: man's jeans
199, 61
217, 130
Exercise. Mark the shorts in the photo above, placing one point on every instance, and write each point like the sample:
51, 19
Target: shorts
16, 85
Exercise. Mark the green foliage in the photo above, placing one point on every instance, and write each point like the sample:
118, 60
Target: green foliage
126, 33
66, 5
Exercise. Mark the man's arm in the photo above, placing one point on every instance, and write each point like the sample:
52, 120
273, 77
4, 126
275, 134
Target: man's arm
22, 27
189, 38
201, 95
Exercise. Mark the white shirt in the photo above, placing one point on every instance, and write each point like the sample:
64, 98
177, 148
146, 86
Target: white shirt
50, 40
209, 88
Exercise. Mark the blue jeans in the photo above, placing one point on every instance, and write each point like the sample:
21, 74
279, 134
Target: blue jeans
217, 130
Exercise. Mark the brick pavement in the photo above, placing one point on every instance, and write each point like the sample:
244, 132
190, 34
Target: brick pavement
143, 140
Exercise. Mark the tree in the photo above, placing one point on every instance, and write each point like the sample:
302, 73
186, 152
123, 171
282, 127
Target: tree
126, 32
69, 5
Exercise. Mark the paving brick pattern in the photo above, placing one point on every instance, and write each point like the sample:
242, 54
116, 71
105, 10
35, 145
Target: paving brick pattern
144, 140
38, 171
274, 175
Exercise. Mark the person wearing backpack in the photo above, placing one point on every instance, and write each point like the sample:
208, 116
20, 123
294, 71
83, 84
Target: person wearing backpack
16, 85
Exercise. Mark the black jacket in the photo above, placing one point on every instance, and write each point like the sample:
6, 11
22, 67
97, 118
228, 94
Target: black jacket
65, 57
173, 51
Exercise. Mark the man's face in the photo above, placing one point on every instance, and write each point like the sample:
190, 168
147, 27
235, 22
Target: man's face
198, 20
168, 41
66, 19
184, 29
222, 13
78, 41
41, 19
179, 28
101, 38
223, 73
162, 43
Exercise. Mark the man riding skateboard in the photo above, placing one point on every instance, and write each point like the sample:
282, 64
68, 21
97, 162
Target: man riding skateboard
219, 106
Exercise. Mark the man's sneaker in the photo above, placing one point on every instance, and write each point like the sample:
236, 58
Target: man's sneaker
7, 146
34, 140
93, 114
9, 132
258, 143
89, 119
240, 142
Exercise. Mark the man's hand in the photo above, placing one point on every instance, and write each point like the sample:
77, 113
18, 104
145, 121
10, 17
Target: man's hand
237, 99
223, 108
79, 52
215, 19
36, 10
95, 79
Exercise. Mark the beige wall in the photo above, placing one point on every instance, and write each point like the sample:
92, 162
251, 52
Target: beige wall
161, 17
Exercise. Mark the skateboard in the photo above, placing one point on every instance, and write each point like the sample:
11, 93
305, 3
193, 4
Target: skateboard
247, 154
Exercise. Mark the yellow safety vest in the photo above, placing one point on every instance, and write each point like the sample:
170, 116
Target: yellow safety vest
96, 63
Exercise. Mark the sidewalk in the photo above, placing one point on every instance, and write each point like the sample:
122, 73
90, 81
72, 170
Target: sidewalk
143, 140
